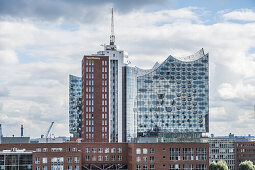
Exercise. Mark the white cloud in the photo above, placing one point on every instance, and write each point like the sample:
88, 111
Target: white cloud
239, 91
242, 15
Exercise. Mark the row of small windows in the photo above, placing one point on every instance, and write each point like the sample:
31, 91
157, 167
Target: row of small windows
89, 122
89, 76
104, 109
104, 76
90, 95
246, 145
145, 167
89, 109
104, 63
89, 116
89, 89
103, 150
55, 150
145, 159
144, 151
89, 62
89, 69
104, 96
90, 102
89, 136
104, 69
104, 82
104, 129
104, 135
90, 82
45, 160
104, 102
104, 116
104, 89
103, 158
57, 167
104, 122
89, 129
173, 167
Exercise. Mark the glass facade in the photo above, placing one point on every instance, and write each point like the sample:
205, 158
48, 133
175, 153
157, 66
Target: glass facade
173, 97
130, 102
75, 110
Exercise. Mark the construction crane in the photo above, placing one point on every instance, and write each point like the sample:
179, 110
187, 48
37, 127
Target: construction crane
47, 134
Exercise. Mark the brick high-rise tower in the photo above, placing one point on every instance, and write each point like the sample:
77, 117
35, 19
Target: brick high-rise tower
95, 99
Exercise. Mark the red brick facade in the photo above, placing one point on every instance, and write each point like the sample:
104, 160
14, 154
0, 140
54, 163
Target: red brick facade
245, 151
132, 156
95, 99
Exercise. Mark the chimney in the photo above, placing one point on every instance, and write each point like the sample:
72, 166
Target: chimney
22, 129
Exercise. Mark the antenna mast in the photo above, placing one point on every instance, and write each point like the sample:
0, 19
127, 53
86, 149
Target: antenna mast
112, 37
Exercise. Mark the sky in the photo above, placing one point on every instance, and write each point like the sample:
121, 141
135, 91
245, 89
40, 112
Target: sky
43, 41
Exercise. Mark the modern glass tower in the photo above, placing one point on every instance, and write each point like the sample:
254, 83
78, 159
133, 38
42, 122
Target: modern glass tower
172, 97
75, 110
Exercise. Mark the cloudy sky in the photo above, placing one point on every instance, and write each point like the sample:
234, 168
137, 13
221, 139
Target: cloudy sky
43, 41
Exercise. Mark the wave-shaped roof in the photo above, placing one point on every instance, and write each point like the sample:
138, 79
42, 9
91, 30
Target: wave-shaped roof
199, 54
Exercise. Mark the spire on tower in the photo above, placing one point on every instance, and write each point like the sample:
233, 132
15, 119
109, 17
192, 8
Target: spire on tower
112, 37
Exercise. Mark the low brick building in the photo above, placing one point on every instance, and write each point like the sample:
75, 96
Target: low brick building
137, 156
245, 151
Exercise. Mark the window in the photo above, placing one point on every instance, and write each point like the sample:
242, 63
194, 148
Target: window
106, 150
76, 160
151, 167
100, 150
69, 159
145, 159
200, 167
152, 151
145, 150
94, 158
145, 167
100, 158
44, 168
45, 149
175, 167
113, 158
86, 150
106, 158
200, 153
69, 167
56, 149
87, 157
187, 167
38, 149
138, 151
119, 150
38, 168
175, 154
37, 160
119, 157
113, 150
44, 160
138, 167
138, 159
74, 149
76, 167
187, 153
151, 158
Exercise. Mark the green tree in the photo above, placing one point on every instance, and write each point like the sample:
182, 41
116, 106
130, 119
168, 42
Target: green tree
246, 165
221, 165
